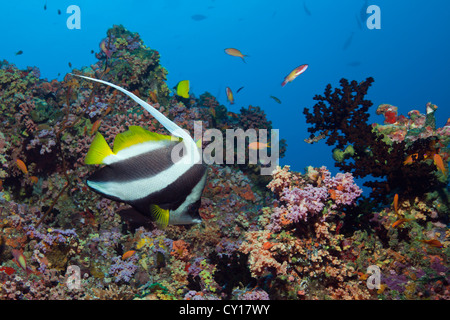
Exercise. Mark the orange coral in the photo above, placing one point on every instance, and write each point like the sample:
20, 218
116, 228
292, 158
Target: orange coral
180, 250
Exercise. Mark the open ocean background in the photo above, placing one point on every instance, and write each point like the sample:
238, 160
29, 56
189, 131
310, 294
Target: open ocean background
408, 57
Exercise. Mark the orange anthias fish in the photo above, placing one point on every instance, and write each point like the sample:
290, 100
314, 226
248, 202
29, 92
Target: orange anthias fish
34, 179
153, 97
399, 222
439, 163
432, 243
95, 126
396, 203
104, 49
258, 145
294, 74
409, 159
128, 254
22, 166
230, 95
235, 53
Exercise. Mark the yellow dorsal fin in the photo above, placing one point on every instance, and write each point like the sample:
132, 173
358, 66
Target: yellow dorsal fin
98, 150
159, 215
135, 135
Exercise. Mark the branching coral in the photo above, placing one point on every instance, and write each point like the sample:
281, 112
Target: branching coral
341, 117
301, 241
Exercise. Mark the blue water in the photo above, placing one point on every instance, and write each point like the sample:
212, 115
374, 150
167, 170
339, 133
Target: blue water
408, 57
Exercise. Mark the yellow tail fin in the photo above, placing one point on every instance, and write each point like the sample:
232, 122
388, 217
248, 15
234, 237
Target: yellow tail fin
98, 151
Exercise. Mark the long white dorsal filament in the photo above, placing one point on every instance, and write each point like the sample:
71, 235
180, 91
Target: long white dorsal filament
171, 126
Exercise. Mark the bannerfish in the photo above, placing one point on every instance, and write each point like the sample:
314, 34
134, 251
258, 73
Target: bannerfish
160, 176
235, 53
294, 74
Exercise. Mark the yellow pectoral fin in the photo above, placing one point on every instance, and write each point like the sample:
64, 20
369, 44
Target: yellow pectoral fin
160, 216
98, 151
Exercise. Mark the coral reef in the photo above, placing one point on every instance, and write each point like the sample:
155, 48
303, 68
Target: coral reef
290, 235
380, 151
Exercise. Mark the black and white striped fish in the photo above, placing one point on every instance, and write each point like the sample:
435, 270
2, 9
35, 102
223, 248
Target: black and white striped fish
142, 171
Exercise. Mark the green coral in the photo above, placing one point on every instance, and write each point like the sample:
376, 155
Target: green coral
339, 155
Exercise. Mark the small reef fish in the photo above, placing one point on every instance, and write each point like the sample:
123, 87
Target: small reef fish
258, 145
235, 53
153, 97
410, 159
22, 166
432, 243
198, 17
104, 49
232, 115
34, 179
294, 74
348, 42
95, 126
18, 53
141, 172
160, 260
396, 203
305, 8
276, 99
229, 95
20, 260
399, 222
354, 63
358, 22
183, 89
439, 163
237, 91
128, 254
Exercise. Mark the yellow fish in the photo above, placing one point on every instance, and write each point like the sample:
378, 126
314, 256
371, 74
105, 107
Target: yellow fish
183, 89
235, 53
230, 95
